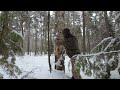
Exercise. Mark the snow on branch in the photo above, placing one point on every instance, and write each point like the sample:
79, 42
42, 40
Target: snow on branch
117, 17
102, 42
100, 64
98, 53
1, 56
110, 44
17, 33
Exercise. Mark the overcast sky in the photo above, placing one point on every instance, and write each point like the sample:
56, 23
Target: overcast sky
51, 12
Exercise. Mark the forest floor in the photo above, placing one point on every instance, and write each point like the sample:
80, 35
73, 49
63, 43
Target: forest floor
37, 67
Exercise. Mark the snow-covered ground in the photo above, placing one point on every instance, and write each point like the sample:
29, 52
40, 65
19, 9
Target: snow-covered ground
40, 67
37, 67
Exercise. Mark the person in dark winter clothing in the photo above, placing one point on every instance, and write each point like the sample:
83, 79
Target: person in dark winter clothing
70, 44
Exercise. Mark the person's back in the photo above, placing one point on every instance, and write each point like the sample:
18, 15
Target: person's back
70, 43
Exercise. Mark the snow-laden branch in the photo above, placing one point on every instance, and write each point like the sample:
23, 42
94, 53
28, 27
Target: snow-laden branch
100, 64
110, 44
98, 54
18, 33
117, 17
102, 42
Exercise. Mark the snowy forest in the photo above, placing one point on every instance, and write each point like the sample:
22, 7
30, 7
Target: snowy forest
33, 46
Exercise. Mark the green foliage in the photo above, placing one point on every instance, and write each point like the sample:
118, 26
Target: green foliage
88, 72
9, 68
4, 49
15, 43
15, 37
8, 41
99, 64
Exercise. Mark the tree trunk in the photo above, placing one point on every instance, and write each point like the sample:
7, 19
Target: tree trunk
41, 42
88, 40
88, 28
5, 38
75, 69
28, 37
59, 26
45, 32
73, 18
108, 25
36, 43
49, 41
73, 26
45, 43
21, 24
68, 21
5, 29
84, 45
28, 46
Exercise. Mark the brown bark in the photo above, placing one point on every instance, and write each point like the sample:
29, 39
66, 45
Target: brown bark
109, 31
49, 42
84, 46
59, 26
21, 24
28, 37
36, 51
75, 69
